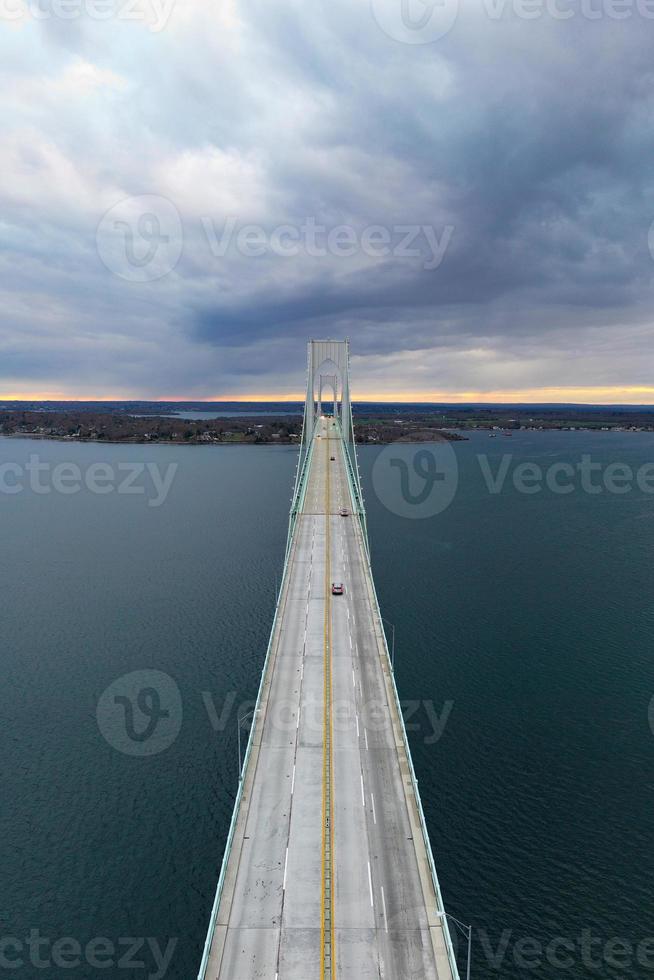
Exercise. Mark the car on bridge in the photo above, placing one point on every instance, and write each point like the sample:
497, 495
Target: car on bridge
333, 459
338, 588
344, 512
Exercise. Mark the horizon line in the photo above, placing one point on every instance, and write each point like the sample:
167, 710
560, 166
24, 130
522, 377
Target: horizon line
565, 395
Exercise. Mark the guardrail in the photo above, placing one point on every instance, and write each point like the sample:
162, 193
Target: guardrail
355, 487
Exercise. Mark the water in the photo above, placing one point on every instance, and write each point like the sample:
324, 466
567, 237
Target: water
531, 614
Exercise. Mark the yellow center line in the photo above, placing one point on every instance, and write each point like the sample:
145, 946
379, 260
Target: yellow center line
327, 919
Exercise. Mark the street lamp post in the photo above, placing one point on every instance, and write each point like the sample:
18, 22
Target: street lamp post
466, 930
392, 642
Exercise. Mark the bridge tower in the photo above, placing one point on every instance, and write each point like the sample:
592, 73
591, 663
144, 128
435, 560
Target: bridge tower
328, 367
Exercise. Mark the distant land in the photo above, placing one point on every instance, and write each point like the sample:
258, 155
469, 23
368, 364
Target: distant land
281, 422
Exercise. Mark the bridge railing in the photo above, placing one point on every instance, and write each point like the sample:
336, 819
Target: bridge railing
352, 470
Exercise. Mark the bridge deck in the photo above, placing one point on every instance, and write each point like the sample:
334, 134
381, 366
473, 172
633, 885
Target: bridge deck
327, 673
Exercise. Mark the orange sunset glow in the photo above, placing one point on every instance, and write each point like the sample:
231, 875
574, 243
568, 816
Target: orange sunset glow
589, 395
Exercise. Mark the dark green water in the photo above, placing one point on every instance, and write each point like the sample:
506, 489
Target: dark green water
524, 622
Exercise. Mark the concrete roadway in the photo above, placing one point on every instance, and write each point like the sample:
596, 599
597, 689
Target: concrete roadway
271, 918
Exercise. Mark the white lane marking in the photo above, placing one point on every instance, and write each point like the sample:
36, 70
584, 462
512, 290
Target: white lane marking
363, 795
356, 718
372, 904
365, 735
374, 815
354, 683
297, 723
293, 782
384, 904
285, 870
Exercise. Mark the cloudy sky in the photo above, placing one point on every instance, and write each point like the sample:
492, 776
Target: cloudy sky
190, 190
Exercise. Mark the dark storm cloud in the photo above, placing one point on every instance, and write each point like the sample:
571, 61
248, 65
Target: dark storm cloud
542, 167
530, 139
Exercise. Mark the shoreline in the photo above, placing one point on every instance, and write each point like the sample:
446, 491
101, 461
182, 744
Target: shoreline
460, 435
